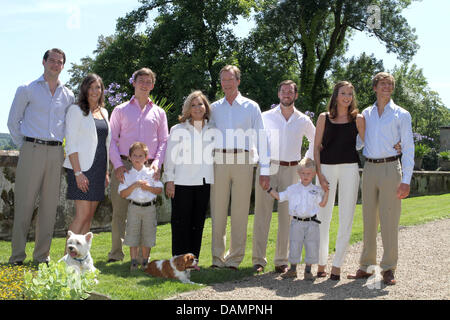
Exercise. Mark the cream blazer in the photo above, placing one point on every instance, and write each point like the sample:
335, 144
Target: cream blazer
81, 137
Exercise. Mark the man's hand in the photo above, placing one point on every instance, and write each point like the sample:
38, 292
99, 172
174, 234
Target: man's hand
264, 182
119, 173
403, 191
155, 168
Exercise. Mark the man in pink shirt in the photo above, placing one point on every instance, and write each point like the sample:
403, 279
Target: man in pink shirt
137, 120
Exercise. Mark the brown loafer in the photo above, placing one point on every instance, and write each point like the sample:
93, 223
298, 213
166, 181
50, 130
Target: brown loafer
321, 274
335, 277
360, 274
281, 269
388, 278
258, 268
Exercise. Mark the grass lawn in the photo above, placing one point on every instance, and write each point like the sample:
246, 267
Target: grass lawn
117, 282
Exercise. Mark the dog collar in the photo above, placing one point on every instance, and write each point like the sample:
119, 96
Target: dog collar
80, 260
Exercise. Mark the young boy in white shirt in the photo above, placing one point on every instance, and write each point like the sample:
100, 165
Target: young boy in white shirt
140, 188
304, 201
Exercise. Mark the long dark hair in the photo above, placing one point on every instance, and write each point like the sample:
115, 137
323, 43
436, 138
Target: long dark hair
332, 104
83, 96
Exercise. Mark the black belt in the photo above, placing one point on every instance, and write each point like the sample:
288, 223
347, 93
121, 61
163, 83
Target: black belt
313, 218
143, 204
230, 150
148, 162
389, 159
45, 142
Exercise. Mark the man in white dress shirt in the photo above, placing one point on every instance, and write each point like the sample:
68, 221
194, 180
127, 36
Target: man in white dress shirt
286, 126
239, 121
37, 122
385, 180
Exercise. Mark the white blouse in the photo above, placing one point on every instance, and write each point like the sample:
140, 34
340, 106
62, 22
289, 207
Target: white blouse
189, 155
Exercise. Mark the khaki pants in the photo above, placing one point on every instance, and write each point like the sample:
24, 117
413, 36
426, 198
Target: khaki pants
38, 174
119, 217
381, 206
284, 177
233, 180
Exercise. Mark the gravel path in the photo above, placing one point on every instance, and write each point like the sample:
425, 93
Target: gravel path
423, 272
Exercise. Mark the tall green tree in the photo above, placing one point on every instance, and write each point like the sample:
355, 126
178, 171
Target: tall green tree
317, 31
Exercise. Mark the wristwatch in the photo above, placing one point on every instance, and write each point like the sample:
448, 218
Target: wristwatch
77, 173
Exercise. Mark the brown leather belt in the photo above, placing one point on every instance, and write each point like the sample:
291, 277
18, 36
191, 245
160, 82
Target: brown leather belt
286, 163
126, 158
389, 159
45, 142
230, 150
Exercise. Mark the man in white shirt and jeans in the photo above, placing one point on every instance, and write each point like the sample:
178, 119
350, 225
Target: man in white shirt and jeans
385, 180
286, 126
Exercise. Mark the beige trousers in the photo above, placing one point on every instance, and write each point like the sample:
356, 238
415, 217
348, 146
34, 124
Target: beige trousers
38, 174
233, 180
284, 176
119, 217
381, 207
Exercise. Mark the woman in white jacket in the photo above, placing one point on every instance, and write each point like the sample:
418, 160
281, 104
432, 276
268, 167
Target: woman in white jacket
87, 141
189, 172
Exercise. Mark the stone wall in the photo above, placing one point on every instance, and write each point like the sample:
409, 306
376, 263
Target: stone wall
66, 208
423, 183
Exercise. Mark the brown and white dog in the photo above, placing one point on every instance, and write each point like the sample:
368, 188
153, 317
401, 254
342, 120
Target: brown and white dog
178, 267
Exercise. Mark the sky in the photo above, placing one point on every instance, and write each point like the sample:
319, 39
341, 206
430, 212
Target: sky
29, 27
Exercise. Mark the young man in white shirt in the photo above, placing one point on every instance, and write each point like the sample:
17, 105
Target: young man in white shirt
385, 179
141, 190
286, 126
37, 123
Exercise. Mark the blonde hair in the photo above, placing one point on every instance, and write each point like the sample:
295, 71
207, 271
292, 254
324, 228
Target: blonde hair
306, 163
138, 146
186, 111
381, 76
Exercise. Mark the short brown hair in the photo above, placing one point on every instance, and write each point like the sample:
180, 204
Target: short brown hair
287, 83
47, 53
138, 146
381, 76
233, 69
186, 111
146, 72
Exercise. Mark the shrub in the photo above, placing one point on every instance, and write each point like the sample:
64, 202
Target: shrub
444, 155
58, 282
12, 282
420, 150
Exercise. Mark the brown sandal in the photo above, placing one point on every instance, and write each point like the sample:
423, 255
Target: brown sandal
321, 274
335, 277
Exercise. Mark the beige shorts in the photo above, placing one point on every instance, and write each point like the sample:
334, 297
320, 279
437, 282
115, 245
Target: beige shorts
141, 226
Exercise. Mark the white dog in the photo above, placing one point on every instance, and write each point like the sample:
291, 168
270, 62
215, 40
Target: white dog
78, 255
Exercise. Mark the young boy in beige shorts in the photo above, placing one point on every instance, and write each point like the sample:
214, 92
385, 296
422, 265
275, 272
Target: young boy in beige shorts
140, 188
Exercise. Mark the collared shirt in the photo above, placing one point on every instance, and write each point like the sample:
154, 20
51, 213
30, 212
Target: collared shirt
37, 114
189, 155
130, 124
382, 133
303, 200
286, 137
242, 122
138, 194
